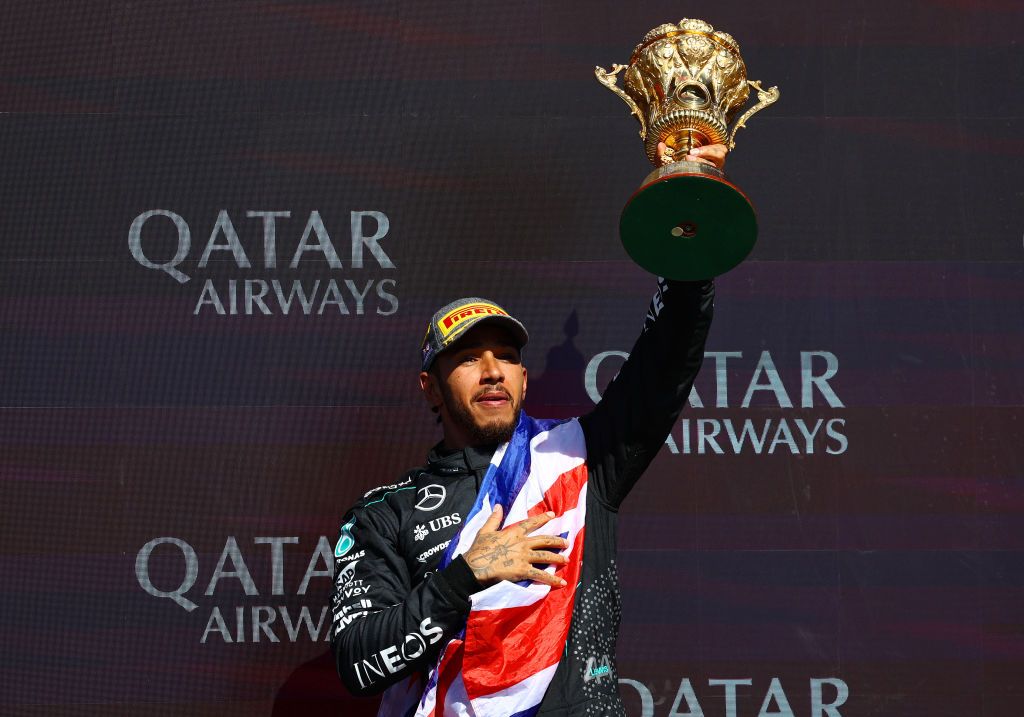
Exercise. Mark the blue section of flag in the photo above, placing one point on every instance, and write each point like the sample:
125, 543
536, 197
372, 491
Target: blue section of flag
502, 483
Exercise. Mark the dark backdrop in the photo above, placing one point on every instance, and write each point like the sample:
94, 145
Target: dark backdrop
170, 459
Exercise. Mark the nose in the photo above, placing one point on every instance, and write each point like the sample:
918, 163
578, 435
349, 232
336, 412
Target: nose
490, 368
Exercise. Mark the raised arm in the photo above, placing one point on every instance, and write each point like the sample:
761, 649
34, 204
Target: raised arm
627, 428
629, 425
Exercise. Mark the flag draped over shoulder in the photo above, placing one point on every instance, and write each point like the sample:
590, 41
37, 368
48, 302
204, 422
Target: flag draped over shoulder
501, 663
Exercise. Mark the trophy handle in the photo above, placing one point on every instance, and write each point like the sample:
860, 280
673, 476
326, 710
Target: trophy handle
610, 80
764, 98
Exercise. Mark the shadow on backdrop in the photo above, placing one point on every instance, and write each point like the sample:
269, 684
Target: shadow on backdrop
314, 689
559, 392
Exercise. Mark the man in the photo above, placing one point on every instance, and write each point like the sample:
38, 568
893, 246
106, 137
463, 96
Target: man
456, 614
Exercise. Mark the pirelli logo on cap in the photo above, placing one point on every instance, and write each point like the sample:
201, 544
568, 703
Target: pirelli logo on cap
450, 321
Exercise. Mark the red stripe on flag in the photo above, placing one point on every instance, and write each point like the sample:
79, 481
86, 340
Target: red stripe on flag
447, 671
504, 647
563, 494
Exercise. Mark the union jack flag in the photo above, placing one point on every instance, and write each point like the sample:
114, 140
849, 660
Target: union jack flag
502, 662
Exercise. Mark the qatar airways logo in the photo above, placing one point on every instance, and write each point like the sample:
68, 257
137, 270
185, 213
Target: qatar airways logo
801, 416
229, 595
340, 276
742, 697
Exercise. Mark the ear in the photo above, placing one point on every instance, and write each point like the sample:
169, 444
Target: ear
524, 383
428, 384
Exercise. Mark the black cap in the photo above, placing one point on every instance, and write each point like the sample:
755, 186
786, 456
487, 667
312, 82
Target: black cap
453, 320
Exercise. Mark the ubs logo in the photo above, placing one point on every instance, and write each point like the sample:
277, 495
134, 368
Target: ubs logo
421, 531
430, 497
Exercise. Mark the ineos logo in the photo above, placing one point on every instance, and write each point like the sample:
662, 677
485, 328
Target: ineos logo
430, 497
413, 646
394, 658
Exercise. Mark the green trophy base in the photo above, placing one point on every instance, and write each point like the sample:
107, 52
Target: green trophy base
686, 222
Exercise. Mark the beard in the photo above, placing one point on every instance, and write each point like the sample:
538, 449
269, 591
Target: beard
497, 430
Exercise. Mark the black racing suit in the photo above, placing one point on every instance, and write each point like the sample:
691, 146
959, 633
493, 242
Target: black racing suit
393, 610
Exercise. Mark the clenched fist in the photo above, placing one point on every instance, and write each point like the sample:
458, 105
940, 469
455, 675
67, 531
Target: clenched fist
713, 154
511, 554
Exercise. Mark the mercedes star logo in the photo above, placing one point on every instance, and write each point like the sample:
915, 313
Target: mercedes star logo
430, 497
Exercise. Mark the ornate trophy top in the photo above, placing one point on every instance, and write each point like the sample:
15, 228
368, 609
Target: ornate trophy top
685, 83
687, 26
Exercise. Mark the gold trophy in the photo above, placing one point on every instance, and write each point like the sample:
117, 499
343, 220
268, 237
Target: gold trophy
685, 83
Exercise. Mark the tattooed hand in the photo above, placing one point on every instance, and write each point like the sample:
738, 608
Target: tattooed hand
511, 554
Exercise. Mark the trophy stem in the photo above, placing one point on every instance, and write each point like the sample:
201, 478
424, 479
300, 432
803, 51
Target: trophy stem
683, 129
683, 166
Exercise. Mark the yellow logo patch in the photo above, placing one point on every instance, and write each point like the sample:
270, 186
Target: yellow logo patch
450, 321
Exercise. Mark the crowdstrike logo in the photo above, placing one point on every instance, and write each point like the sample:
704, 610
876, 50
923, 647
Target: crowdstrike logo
422, 557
